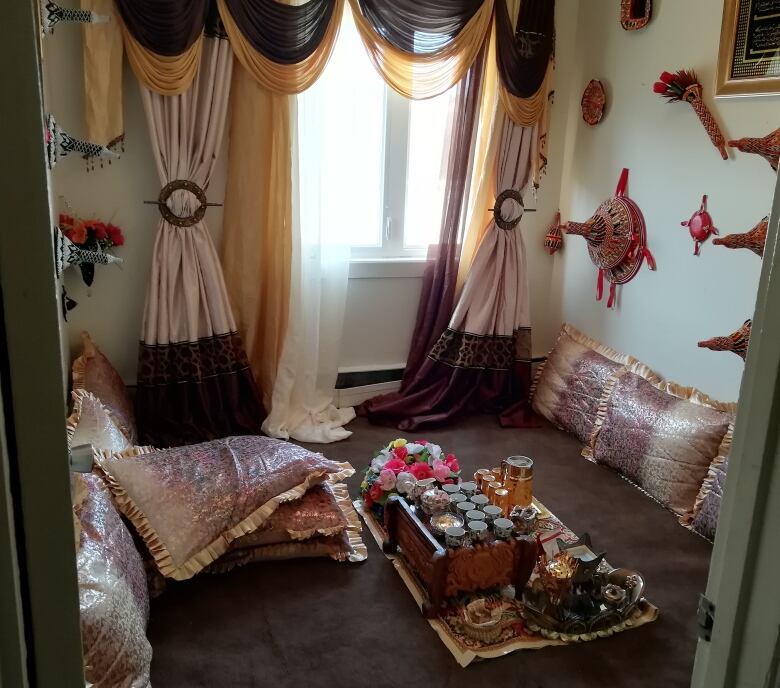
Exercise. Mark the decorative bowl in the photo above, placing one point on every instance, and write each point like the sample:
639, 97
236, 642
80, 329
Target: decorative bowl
434, 501
440, 522
481, 622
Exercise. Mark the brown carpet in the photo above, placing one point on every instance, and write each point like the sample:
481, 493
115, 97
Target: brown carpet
320, 623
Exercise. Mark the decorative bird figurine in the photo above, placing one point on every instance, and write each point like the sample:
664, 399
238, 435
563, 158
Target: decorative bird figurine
754, 239
553, 240
700, 225
767, 147
736, 341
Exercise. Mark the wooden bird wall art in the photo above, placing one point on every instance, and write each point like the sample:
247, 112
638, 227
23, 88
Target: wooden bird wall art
736, 342
767, 147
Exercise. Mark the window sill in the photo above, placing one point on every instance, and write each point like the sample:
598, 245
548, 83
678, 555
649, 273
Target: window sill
379, 268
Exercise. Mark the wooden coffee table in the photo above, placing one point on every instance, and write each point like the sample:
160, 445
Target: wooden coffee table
445, 572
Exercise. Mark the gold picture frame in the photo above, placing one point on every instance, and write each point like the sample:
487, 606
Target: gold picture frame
749, 55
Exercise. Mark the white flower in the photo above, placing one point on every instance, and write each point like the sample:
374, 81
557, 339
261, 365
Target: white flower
379, 462
414, 448
434, 450
404, 482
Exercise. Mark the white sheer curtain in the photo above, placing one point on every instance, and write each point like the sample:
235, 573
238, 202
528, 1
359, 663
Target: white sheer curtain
331, 138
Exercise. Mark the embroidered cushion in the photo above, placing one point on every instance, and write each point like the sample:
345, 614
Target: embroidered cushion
659, 435
93, 372
707, 508
569, 384
189, 503
91, 423
113, 599
322, 523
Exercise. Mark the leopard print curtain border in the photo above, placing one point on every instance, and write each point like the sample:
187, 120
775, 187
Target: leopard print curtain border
163, 364
488, 352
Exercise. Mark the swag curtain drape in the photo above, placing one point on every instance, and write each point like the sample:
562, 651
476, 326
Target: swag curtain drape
470, 367
194, 382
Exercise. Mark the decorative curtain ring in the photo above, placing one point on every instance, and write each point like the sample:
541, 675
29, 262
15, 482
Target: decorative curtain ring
186, 220
500, 221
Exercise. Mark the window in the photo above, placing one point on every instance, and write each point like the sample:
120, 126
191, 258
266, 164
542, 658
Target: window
389, 152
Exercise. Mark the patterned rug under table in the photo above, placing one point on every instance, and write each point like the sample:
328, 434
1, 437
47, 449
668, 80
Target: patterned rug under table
515, 634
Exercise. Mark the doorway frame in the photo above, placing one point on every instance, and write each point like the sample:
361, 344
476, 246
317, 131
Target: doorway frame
41, 642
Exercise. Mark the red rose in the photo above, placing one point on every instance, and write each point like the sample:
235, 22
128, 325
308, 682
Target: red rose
396, 465
375, 492
421, 471
666, 77
422, 442
367, 500
115, 234
400, 453
452, 463
659, 87
100, 230
66, 220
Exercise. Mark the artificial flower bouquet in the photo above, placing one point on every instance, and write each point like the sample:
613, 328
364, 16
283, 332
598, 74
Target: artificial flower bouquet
90, 235
397, 467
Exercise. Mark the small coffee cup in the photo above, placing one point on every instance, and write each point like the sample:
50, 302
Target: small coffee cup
478, 531
451, 489
480, 500
455, 499
464, 507
468, 489
475, 515
492, 512
502, 528
454, 536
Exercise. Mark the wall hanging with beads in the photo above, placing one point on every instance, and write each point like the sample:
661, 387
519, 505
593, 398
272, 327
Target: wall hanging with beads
594, 100
553, 240
700, 225
684, 86
52, 14
635, 14
617, 240
85, 243
753, 239
768, 147
736, 342
60, 144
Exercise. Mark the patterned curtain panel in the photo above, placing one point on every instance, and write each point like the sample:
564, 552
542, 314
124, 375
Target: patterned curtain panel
481, 361
194, 381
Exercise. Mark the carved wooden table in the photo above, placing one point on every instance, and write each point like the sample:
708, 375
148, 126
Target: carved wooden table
445, 572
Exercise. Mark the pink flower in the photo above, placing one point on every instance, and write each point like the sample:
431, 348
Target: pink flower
395, 465
387, 479
375, 492
400, 453
422, 442
420, 470
452, 463
440, 470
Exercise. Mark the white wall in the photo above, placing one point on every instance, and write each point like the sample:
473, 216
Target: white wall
381, 303
662, 315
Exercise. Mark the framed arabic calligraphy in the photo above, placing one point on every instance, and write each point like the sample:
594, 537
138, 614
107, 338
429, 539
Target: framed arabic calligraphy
749, 56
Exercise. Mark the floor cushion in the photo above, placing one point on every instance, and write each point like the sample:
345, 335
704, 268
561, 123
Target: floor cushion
91, 423
189, 503
659, 435
706, 510
569, 384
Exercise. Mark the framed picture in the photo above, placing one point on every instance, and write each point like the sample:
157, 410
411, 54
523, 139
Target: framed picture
749, 57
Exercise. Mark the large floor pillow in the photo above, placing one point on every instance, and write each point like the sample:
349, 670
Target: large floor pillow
570, 383
91, 423
659, 435
93, 372
113, 598
189, 503
323, 523
706, 510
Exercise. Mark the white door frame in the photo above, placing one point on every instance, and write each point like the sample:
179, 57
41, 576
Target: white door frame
42, 594
745, 641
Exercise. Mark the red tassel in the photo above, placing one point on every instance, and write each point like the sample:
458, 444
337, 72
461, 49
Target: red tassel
611, 301
622, 183
600, 286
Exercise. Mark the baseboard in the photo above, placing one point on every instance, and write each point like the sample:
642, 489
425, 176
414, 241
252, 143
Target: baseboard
354, 396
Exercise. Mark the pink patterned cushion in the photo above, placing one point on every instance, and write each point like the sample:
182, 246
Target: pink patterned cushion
707, 508
570, 382
93, 372
113, 598
660, 436
189, 503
